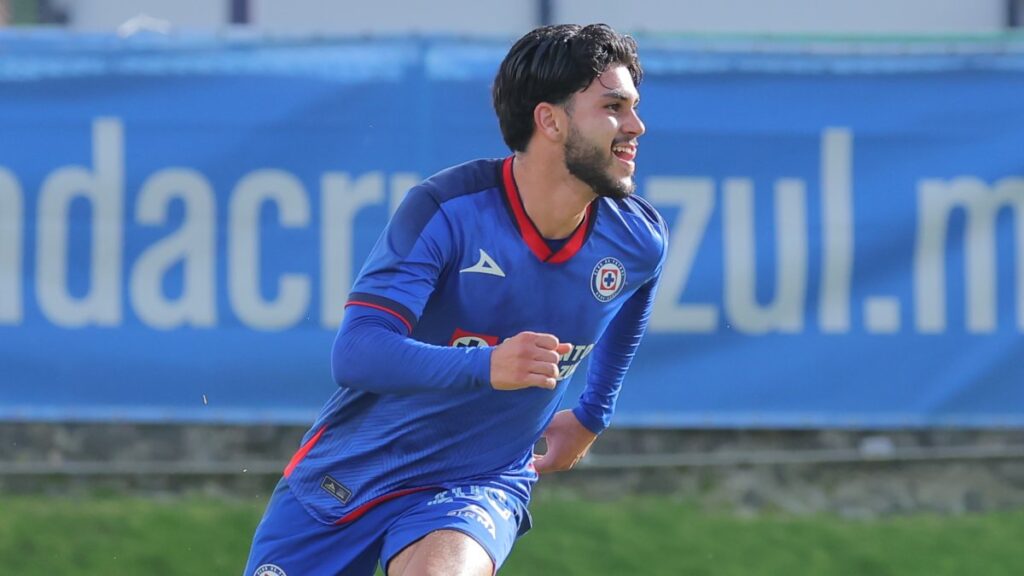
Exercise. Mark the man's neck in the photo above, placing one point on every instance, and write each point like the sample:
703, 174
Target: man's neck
555, 200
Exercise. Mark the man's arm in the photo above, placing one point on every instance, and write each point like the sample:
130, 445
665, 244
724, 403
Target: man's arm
611, 359
572, 432
373, 352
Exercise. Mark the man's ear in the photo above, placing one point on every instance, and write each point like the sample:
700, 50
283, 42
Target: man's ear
551, 121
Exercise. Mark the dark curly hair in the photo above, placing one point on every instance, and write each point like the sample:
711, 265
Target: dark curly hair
550, 64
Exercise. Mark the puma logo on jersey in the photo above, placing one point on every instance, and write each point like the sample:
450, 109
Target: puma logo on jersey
485, 265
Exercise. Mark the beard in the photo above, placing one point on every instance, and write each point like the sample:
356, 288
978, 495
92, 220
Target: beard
590, 163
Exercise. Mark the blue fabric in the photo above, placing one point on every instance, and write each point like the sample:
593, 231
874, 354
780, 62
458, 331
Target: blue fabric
290, 540
612, 357
485, 512
373, 353
416, 409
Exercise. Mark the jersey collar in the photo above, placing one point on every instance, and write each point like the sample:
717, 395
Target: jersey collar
528, 230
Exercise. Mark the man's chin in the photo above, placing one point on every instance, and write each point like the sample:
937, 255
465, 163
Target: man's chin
611, 182
626, 184
622, 189
623, 176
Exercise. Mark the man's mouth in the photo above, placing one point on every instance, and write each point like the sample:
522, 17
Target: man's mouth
625, 152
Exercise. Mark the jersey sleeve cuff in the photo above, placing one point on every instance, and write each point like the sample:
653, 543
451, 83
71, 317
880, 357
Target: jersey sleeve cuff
482, 367
595, 425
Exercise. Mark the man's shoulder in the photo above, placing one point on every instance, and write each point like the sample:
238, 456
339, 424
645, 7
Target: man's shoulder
460, 180
423, 201
641, 219
639, 207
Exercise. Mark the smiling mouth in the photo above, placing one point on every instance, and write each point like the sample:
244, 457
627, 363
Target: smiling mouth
625, 152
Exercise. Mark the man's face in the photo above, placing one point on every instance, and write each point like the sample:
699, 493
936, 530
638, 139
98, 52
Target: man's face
603, 129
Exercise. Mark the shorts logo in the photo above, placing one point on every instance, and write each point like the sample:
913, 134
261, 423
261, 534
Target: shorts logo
608, 279
269, 570
483, 517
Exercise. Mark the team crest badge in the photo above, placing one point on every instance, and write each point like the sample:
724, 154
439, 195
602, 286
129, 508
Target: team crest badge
608, 279
269, 570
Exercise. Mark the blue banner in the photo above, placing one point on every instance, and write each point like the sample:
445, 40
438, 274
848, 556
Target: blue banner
181, 219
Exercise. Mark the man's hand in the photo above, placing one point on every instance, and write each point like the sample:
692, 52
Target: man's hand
526, 360
568, 442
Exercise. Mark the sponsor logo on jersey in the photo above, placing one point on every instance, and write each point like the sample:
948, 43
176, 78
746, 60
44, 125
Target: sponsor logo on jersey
571, 360
567, 364
269, 570
463, 339
485, 265
608, 279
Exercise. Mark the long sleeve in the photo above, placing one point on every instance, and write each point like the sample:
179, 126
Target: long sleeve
373, 352
612, 357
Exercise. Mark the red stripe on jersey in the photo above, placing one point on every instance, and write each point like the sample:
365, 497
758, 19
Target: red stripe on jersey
529, 231
358, 512
301, 453
381, 308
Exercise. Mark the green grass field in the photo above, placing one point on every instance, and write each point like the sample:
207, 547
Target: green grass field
197, 537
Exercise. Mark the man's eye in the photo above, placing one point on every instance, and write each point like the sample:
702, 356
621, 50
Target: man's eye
614, 107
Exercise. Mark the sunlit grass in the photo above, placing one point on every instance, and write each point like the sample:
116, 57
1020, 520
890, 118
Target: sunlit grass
642, 536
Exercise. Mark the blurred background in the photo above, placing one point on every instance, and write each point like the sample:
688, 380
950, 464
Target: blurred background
833, 378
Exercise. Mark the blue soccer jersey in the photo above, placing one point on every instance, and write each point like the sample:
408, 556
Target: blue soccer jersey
460, 268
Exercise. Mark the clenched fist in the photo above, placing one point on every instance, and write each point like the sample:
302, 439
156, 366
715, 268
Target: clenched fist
528, 359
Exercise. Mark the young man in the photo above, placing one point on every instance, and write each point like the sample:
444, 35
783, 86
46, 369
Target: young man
493, 280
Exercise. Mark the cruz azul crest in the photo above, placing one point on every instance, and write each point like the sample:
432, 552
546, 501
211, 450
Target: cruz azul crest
608, 279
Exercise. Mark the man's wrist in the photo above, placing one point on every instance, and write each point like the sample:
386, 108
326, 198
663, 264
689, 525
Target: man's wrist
595, 425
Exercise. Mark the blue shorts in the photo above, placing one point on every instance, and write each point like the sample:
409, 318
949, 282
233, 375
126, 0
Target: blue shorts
290, 542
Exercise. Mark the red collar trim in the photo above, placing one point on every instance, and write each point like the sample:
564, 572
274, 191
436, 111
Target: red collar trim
528, 229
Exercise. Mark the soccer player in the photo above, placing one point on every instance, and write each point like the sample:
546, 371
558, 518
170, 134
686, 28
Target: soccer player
490, 284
